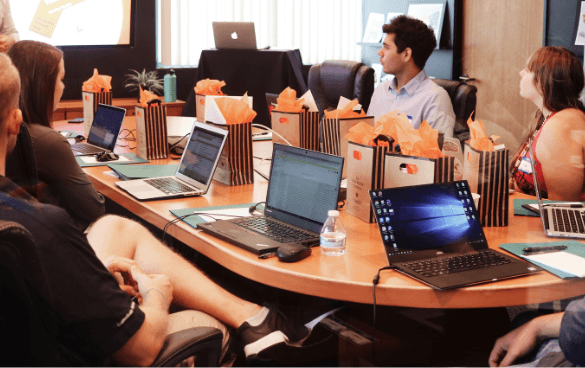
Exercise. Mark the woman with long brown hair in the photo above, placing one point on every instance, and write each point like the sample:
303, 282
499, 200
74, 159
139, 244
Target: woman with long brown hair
553, 79
42, 71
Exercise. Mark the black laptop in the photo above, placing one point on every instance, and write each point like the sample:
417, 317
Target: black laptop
432, 233
104, 131
303, 187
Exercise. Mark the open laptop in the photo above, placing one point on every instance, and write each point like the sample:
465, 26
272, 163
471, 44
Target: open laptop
195, 170
234, 35
432, 233
558, 219
303, 187
103, 135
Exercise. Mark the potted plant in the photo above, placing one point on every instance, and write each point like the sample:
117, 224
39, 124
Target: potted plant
146, 80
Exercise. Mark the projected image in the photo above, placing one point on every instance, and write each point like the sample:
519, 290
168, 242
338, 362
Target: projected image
73, 22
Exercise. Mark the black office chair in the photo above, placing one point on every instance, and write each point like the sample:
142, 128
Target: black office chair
29, 327
464, 98
334, 78
21, 165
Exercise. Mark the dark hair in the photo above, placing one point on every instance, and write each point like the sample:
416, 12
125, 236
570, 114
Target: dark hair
558, 75
415, 34
38, 65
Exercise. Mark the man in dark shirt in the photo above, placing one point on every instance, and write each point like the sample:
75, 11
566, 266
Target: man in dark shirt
111, 290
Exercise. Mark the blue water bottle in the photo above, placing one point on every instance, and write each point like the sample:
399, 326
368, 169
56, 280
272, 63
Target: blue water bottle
170, 86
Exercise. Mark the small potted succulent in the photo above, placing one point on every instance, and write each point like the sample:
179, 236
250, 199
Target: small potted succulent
147, 80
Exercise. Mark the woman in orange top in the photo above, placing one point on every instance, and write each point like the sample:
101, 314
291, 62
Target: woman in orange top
553, 79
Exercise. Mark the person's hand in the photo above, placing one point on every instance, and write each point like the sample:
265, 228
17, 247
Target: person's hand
155, 284
6, 43
514, 345
120, 268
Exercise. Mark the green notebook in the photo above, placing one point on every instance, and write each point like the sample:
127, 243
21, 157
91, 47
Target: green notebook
132, 159
194, 220
130, 172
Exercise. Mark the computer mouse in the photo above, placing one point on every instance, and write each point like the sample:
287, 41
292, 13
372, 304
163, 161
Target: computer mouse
292, 252
106, 156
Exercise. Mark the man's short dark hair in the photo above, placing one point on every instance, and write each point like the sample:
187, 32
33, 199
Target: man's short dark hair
415, 34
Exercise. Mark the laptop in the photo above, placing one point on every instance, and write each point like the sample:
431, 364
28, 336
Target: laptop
103, 135
234, 35
194, 172
559, 219
432, 233
303, 187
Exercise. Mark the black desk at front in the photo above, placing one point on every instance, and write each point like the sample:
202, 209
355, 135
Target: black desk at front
254, 71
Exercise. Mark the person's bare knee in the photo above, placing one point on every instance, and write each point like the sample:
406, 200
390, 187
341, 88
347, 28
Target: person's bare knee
114, 235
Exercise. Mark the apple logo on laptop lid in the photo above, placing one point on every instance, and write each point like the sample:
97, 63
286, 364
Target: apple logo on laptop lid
234, 36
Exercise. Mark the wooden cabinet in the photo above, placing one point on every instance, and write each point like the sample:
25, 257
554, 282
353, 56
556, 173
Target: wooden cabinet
70, 109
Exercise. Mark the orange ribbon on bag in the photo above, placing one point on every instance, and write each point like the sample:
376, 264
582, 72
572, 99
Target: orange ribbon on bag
97, 83
147, 96
346, 113
287, 101
209, 87
235, 111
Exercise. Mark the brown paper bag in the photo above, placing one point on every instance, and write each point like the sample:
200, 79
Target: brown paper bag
365, 171
90, 103
236, 166
487, 174
332, 133
151, 127
301, 129
401, 170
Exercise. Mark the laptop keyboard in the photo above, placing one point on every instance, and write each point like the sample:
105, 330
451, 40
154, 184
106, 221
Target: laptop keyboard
567, 220
460, 263
275, 230
85, 148
169, 185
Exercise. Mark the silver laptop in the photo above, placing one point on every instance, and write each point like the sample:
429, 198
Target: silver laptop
194, 173
559, 219
103, 135
234, 35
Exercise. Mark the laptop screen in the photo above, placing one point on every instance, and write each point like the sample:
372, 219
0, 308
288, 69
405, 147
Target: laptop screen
426, 217
106, 126
303, 187
201, 153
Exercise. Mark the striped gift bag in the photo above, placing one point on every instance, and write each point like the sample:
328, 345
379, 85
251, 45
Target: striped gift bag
332, 134
402, 170
300, 129
236, 166
487, 174
151, 127
90, 103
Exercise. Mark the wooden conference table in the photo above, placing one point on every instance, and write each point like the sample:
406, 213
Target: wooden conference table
348, 277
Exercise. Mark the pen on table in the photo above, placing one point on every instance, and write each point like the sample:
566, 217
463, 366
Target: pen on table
554, 248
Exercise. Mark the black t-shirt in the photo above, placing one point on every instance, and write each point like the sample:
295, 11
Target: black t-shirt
95, 317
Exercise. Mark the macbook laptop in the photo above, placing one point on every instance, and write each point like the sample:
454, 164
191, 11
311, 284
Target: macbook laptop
195, 170
432, 233
234, 35
303, 187
558, 219
103, 135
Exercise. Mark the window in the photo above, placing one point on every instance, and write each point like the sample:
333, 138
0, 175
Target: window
321, 29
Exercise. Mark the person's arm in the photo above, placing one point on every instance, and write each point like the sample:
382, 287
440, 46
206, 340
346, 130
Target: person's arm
8, 32
143, 348
560, 152
523, 340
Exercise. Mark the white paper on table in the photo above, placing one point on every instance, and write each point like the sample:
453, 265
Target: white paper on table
310, 101
580, 39
93, 160
112, 174
223, 214
344, 101
563, 261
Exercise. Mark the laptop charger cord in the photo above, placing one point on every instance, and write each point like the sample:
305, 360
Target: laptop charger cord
375, 282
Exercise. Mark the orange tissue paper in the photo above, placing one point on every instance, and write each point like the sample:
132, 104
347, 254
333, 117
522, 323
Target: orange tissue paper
346, 113
287, 101
146, 96
478, 139
209, 87
97, 83
362, 133
235, 111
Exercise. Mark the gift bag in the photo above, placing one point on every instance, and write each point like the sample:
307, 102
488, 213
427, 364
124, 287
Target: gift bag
236, 166
487, 174
151, 129
333, 132
402, 171
90, 103
365, 171
200, 108
299, 129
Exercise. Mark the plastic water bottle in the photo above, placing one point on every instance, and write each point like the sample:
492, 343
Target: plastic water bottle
170, 86
333, 235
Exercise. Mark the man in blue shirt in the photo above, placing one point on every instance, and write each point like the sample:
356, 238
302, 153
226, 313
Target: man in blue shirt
407, 46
